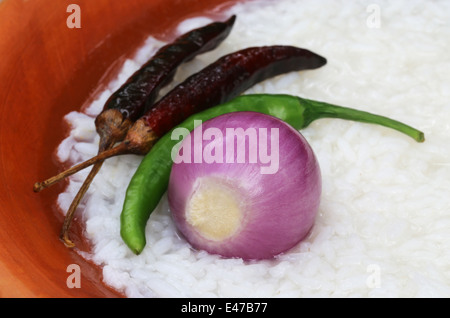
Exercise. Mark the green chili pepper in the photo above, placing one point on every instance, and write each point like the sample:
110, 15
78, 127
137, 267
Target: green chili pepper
151, 179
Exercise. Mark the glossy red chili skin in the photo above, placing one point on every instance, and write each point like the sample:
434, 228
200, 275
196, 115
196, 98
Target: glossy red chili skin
225, 79
140, 91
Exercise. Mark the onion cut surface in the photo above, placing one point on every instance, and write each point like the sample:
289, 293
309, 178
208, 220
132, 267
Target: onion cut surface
251, 207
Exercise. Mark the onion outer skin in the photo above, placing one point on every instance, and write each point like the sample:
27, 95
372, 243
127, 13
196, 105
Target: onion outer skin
278, 209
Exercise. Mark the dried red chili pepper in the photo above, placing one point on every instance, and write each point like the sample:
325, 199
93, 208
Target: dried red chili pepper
140, 91
217, 83
138, 94
223, 80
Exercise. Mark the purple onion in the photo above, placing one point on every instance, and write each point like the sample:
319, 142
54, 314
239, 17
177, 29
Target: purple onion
244, 207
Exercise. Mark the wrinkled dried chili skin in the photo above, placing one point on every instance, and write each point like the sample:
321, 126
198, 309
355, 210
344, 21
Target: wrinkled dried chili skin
225, 79
139, 92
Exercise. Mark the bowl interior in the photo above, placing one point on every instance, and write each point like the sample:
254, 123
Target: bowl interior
49, 69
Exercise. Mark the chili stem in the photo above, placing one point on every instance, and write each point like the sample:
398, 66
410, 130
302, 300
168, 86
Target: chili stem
116, 151
105, 144
317, 110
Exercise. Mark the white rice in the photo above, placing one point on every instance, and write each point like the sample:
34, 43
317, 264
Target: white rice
383, 228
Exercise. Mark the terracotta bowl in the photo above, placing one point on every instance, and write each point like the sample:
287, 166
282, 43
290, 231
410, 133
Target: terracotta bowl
47, 70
